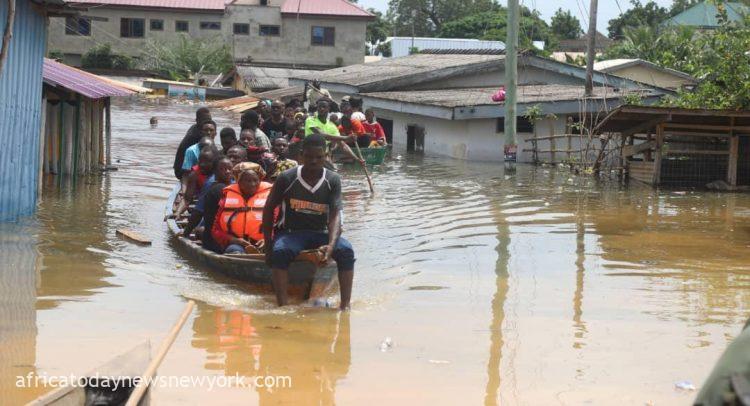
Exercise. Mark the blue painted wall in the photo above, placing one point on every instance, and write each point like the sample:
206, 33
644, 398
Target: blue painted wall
20, 111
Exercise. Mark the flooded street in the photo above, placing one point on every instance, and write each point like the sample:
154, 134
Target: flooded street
495, 286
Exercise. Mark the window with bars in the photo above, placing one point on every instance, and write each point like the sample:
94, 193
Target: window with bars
181, 26
241, 29
157, 25
78, 26
210, 25
270, 31
132, 27
324, 36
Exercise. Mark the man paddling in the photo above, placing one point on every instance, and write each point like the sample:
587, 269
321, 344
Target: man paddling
310, 200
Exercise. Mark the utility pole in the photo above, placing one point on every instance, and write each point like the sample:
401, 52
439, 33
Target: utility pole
591, 49
511, 73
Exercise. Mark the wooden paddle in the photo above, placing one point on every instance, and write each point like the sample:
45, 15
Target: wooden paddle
364, 166
150, 372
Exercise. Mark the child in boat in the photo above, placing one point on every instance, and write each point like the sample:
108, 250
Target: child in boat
236, 228
310, 200
282, 161
200, 177
208, 129
192, 136
375, 130
208, 204
228, 139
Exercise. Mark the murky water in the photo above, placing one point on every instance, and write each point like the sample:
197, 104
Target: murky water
495, 286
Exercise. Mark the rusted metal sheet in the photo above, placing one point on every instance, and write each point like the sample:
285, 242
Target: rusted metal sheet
60, 75
20, 112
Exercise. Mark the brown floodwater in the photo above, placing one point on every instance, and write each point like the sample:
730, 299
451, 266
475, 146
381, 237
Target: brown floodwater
493, 285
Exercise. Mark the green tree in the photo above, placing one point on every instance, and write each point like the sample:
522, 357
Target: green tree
379, 29
427, 17
669, 47
102, 57
492, 25
186, 57
565, 26
649, 14
721, 60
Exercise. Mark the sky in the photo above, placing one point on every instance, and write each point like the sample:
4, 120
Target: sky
608, 9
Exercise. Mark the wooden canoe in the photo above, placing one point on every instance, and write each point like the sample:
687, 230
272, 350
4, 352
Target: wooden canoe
250, 268
124, 367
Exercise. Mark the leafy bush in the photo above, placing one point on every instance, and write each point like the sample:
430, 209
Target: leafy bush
187, 57
102, 57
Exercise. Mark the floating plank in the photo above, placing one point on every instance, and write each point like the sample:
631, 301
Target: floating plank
133, 236
630, 150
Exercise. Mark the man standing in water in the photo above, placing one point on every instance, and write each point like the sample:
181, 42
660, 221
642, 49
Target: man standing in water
310, 200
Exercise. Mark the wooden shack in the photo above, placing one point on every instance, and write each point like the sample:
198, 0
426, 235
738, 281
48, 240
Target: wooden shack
76, 130
678, 147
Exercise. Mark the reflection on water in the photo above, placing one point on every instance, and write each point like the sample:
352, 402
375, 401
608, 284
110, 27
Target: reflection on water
312, 349
552, 288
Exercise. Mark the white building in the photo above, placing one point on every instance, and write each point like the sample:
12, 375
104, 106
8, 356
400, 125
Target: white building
401, 46
440, 104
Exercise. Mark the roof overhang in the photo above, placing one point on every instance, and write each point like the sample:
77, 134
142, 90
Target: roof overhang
492, 111
327, 16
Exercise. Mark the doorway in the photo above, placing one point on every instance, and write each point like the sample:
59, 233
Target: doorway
415, 138
387, 129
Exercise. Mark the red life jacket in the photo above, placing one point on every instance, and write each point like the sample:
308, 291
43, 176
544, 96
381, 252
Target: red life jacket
243, 218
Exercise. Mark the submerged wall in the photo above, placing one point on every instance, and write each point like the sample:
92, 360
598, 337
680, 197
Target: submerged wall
20, 112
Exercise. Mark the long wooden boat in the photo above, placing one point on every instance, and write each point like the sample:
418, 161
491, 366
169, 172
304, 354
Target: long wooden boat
251, 268
125, 367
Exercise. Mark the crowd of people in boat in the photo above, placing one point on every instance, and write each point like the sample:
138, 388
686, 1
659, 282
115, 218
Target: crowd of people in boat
273, 189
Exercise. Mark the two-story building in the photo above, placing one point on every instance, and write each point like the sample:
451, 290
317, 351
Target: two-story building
314, 33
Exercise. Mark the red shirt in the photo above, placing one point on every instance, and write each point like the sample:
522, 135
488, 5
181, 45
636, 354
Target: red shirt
375, 129
356, 128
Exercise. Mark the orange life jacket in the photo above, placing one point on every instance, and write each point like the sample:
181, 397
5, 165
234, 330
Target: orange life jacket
241, 218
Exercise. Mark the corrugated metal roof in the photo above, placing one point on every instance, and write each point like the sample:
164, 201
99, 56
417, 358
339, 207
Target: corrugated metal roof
704, 15
462, 51
87, 84
483, 96
613, 65
392, 72
20, 111
401, 46
261, 78
340, 8
212, 5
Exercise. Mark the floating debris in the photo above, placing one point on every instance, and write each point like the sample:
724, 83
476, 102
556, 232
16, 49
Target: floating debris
427, 287
386, 345
439, 361
684, 385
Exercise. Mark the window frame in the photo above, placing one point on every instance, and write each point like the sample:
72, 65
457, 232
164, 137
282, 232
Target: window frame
76, 31
210, 25
277, 27
522, 123
177, 26
151, 22
325, 30
130, 22
245, 31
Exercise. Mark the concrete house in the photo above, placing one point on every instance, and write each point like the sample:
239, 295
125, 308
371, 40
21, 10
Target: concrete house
321, 33
646, 72
440, 103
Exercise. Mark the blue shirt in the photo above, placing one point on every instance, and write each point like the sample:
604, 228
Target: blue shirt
191, 157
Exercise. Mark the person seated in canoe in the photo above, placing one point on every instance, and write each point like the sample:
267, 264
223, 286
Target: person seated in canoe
310, 218
320, 124
281, 162
199, 178
236, 228
251, 121
237, 154
208, 205
208, 130
352, 127
374, 129
257, 154
192, 136
228, 138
